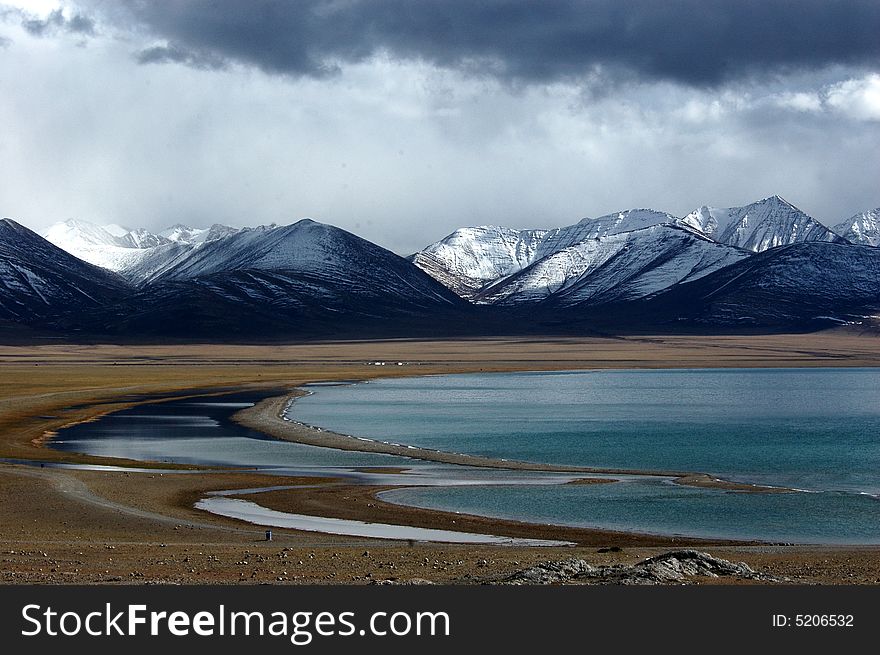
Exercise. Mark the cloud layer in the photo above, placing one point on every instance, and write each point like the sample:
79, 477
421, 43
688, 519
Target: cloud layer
402, 121
698, 42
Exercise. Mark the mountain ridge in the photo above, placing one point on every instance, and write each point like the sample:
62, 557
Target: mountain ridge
760, 225
625, 265
472, 261
312, 280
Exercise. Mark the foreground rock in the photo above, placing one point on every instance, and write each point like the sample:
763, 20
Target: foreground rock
675, 567
405, 583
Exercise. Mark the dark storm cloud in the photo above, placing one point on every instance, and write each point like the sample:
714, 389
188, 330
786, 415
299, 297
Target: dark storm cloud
56, 22
177, 55
698, 42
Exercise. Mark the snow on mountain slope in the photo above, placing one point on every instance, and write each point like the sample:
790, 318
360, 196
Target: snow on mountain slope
139, 266
615, 267
118, 259
112, 247
301, 245
800, 284
603, 226
185, 234
863, 228
301, 279
75, 235
138, 254
474, 258
180, 233
141, 238
39, 280
329, 255
759, 226
218, 231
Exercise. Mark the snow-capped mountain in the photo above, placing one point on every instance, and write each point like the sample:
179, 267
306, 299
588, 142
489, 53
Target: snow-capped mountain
472, 259
504, 266
613, 273
138, 254
595, 228
141, 238
863, 228
139, 266
300, 279
322, 251
765, 224
805, 284
185, 234
77, 235
112, 247
615, 267
39, 280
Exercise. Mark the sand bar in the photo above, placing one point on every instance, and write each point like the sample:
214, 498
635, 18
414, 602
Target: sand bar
270, 417
244, 510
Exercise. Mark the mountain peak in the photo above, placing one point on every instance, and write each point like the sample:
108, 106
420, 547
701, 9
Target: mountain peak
862, 228
775, 200
9, 226
188, 235
759, 226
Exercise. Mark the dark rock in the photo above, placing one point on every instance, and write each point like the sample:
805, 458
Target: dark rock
675, 567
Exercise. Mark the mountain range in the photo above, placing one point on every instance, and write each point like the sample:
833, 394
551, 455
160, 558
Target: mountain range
766, 265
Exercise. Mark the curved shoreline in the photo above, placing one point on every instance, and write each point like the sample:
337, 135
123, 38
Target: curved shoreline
102, 406
268, 417
375, 511
250, 512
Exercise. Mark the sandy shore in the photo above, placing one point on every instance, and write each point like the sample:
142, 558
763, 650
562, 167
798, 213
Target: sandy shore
61, 526
267, 417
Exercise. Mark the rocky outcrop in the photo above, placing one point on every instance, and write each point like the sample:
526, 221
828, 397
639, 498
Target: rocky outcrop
676, 567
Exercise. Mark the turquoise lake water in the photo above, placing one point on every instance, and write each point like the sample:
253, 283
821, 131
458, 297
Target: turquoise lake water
816, 430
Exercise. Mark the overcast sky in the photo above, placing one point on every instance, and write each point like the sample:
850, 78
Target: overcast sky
403, 120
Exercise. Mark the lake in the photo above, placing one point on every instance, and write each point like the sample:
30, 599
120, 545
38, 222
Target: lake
811, 429
816, 430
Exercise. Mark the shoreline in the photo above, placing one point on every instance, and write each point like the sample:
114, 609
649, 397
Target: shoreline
375, 510
422, 518
362, 502
268, 417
